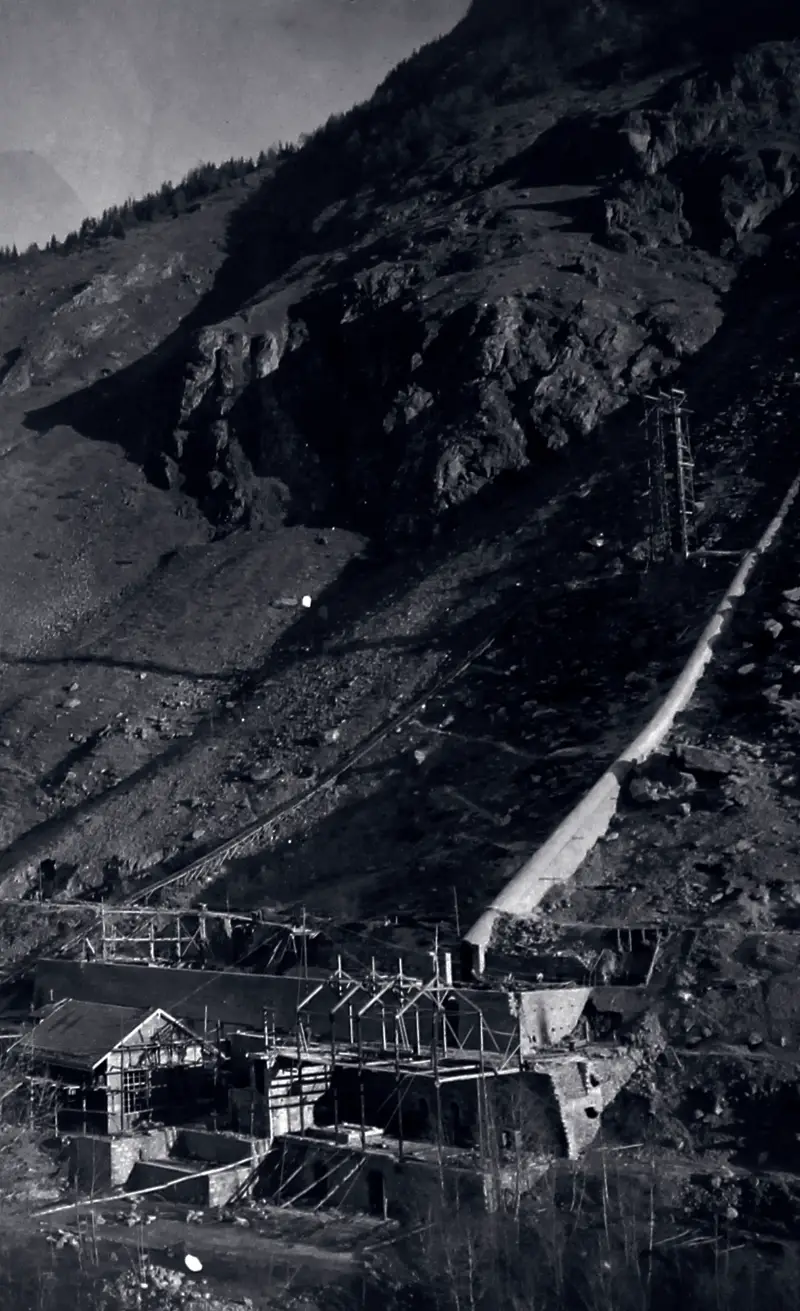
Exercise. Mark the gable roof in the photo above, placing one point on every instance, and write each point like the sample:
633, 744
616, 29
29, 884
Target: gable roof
81, 1034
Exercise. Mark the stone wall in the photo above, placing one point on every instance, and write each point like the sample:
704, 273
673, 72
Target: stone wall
583, 1088
97, 1162
216, 1148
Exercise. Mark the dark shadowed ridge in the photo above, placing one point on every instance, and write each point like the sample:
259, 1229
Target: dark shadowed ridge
723, 22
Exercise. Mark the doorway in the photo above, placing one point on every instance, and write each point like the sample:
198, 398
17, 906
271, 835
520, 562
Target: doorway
376, 1193
319, 1190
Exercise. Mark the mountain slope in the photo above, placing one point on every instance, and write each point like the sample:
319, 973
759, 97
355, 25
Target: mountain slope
471, 271
493, 301
446, 297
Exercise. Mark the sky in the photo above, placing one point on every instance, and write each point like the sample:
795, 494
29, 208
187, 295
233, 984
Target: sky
122, 95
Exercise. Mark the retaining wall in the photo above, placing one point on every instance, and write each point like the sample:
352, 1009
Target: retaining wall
314, 1173
98, 1162
217, 1148
178, 1184
567, 847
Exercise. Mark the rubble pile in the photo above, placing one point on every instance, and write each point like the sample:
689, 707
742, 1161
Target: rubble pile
683, 779
154, 1287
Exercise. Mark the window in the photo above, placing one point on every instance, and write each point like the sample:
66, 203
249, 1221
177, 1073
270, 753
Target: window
172, 1053
135, 1092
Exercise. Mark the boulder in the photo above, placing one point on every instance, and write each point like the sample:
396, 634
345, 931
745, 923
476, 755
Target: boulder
702, 760
650, 791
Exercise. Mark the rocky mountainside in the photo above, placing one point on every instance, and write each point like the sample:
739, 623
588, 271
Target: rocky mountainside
444, 302
449, 295
530, 223
592, 252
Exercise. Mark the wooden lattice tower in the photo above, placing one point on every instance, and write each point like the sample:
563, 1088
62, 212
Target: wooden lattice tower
671, 475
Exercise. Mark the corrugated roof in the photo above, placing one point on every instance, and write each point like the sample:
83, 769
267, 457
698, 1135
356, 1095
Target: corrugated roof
79, 1034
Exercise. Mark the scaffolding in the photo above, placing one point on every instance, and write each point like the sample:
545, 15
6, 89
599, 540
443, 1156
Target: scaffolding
412, 1018
670, 465
187, 937
194, 937
484, 1100
387, 1024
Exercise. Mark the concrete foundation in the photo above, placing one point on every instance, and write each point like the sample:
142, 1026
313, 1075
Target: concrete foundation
183, 1183
101, 1163
317, 1171
98, 1162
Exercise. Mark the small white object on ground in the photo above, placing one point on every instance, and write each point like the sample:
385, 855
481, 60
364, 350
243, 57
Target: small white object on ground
307, 602
193, 1263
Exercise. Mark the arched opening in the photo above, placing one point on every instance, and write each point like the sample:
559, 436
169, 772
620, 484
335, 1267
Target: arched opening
460, 1134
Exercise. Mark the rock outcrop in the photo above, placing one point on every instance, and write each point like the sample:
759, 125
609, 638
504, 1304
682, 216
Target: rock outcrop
386, 409
713, 155
90, 320
439, 290
397, 394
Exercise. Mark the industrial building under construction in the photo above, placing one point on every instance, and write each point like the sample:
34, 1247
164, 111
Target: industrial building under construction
343, 1082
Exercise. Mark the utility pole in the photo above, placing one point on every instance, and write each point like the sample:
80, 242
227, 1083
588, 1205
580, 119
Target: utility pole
671, 475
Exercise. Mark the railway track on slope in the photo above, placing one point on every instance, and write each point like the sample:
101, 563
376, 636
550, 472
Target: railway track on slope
248, 840
251, 836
